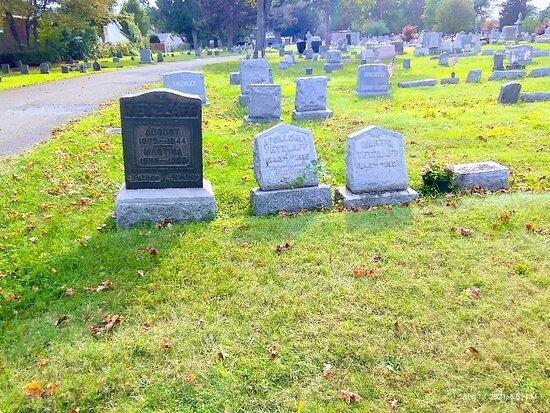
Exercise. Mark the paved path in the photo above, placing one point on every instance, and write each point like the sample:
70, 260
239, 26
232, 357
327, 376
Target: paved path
28, 114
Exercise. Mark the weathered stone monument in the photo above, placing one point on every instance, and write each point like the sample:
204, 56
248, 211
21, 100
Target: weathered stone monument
333, 60
162, 145
188, 82
443, 59
24, 69
418, 83
286, 169
96, 66
509, 93
498, 61
311, 98
145, 56
64, 69
234, 78
44, 68
488, 175
253, 71
376, 173
474, 76
386, 51
373, 79
264, 103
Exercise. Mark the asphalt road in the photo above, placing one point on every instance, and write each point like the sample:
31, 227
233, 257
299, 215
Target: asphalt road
28, 114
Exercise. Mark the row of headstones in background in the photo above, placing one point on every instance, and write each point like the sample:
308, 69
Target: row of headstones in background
163, 166
510, 94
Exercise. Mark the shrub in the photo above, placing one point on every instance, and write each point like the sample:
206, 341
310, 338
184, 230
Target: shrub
29, 57
375, 28
408, 33
437, 178
154, 39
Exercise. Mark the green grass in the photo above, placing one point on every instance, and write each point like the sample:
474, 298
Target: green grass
16, 80
221, 296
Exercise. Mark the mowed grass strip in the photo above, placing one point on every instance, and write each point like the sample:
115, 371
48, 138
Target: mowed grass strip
405, 309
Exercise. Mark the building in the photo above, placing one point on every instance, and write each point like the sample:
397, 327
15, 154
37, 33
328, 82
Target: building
168, 42
112, 33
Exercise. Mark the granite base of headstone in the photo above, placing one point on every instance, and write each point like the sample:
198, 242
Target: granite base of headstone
488, 175
507, 74
162, 146
509, 93
540, 72
234, 78
474, 76
264, 103
449, 81
530, 97
311, 98
376, 173
418, 83
285, 167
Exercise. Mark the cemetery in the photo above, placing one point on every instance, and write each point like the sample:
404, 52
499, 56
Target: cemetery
355, 225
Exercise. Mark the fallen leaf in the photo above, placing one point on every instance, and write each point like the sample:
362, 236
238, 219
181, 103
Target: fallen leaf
283, 247
165, 343
50, 388
473, 292
108, 323
33, 389
272, 352
370, 272
465, 232
69, 292
349, 397
327, 371
105, 285
64, 317
42, 362
530, 227
393, 403
190, 378
152, 250
472, 351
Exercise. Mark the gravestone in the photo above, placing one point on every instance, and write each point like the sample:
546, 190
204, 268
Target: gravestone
162, 145
285, 167
406, 63
334, 60
367, 55
386, 51
487, 175
145, 56
376, 173
309, 71
498, 61
507, 74
96, 66
234, 78
311, 98
487, 52
6, 68
399, 46
508, 33
116, 59
83, 68
160, 57
509, 93
64, 69
188, 82
418, 83
535, 97
540, 72
453, 80
309, 54
24, 69
373, 80
443, 59
474, 76
264, 103
253, 71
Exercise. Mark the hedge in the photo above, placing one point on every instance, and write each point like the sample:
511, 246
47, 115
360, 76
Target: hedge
29, 57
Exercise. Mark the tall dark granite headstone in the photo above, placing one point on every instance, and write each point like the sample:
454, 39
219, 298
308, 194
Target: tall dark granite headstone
162, 145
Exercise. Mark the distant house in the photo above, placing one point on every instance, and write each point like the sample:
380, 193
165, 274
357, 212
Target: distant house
168, 42
8, 43
112, 33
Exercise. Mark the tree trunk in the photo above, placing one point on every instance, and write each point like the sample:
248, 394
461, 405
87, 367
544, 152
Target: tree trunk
196, 46
326, 24
13, 28
230, 33
261, 13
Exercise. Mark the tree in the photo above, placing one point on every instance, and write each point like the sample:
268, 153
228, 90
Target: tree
262, 13
481, 8
453, 16
141, 19
509, 11
31, 11
429, 17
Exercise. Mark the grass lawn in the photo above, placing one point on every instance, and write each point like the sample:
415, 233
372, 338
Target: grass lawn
213, 319
15, 79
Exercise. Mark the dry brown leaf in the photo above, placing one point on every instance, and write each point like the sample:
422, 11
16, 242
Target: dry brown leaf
370, 272
69, 292
272, 352
42, 362
465, 232
530, 227
105, 285
165, 343
50, 388
473, 292
472, 351
328, 372
349, 397
33, 389
106, 325
152, 250
64, 317
283, 247
393, 403
190, 378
